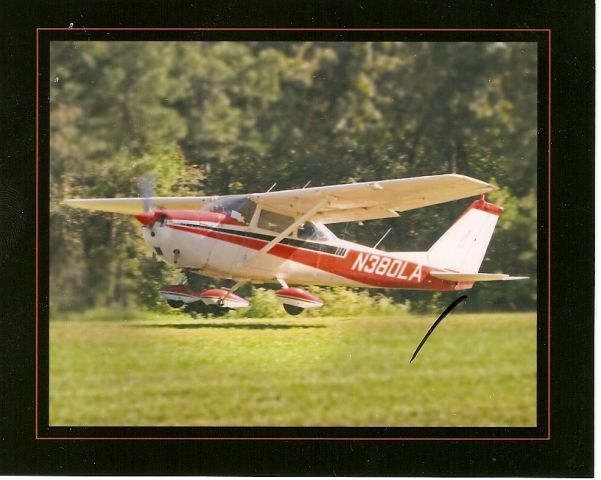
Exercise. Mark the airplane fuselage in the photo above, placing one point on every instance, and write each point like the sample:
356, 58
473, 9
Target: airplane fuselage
219, 246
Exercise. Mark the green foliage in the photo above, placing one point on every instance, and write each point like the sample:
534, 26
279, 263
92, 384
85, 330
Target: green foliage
342, 302
338, 302
433, 303
231, 117
263, 304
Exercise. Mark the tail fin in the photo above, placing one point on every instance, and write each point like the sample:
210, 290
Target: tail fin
462, 247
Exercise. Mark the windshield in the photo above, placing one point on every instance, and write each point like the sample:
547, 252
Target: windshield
239, 208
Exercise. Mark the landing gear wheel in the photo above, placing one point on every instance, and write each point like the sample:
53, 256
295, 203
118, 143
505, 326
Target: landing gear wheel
292, 310
175, 303
196, 308
217, 311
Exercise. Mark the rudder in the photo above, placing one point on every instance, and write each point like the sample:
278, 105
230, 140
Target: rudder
463, 246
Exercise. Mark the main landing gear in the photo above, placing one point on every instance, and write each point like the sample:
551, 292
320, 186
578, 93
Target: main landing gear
292, 310
218, 301
296, 300
199, 308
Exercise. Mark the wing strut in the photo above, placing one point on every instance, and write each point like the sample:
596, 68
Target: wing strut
230, 290
265, 249
303, 218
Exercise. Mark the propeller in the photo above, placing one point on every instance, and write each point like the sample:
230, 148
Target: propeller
146, 189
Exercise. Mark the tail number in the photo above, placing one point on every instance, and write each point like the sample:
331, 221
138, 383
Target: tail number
387, 266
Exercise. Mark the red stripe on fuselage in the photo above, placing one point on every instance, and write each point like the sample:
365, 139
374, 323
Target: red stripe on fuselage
329, 263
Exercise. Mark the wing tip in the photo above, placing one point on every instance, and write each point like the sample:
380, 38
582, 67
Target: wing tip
70, 202
466, 178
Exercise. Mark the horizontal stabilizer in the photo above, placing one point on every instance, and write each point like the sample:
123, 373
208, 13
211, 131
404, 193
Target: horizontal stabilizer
474, 277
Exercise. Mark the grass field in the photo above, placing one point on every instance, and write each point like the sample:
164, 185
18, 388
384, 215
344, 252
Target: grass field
475, 370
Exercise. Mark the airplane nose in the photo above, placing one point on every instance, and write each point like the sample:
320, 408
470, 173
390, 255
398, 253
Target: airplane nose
148, 219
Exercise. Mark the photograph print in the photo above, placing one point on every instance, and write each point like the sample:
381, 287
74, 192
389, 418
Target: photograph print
261, 234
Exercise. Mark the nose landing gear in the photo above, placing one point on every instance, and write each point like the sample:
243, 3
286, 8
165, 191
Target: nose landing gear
215, 301
175, 303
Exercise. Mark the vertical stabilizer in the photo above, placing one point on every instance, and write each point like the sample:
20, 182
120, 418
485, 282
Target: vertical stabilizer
462, 247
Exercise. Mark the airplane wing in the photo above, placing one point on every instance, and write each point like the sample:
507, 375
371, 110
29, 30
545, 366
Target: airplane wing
134, 206
372, 200
351, 202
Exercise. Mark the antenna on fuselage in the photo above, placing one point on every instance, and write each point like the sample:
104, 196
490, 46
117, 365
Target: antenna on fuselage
270, 188
306, 184
382, 238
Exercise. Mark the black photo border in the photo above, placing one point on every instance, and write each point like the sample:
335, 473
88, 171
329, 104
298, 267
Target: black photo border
562, 444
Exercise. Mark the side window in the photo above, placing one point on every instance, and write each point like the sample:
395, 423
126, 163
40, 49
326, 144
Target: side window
273, 221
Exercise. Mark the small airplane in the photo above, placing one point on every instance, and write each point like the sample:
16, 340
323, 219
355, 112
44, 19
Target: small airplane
281, 236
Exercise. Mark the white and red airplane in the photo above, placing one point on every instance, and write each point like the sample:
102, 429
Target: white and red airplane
282, 237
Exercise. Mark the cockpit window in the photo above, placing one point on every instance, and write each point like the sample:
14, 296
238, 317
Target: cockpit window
309, 231
274, 221
240, 209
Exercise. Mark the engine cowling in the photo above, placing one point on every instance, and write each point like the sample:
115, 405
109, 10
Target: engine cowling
297, 297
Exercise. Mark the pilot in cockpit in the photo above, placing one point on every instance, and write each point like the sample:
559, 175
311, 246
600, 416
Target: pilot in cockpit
307, 231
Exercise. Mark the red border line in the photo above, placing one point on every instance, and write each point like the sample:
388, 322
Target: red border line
39, 29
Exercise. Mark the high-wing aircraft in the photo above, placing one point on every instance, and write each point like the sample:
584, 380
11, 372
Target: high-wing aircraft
281, 236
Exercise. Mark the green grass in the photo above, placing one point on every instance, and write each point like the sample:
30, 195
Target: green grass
475, 370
